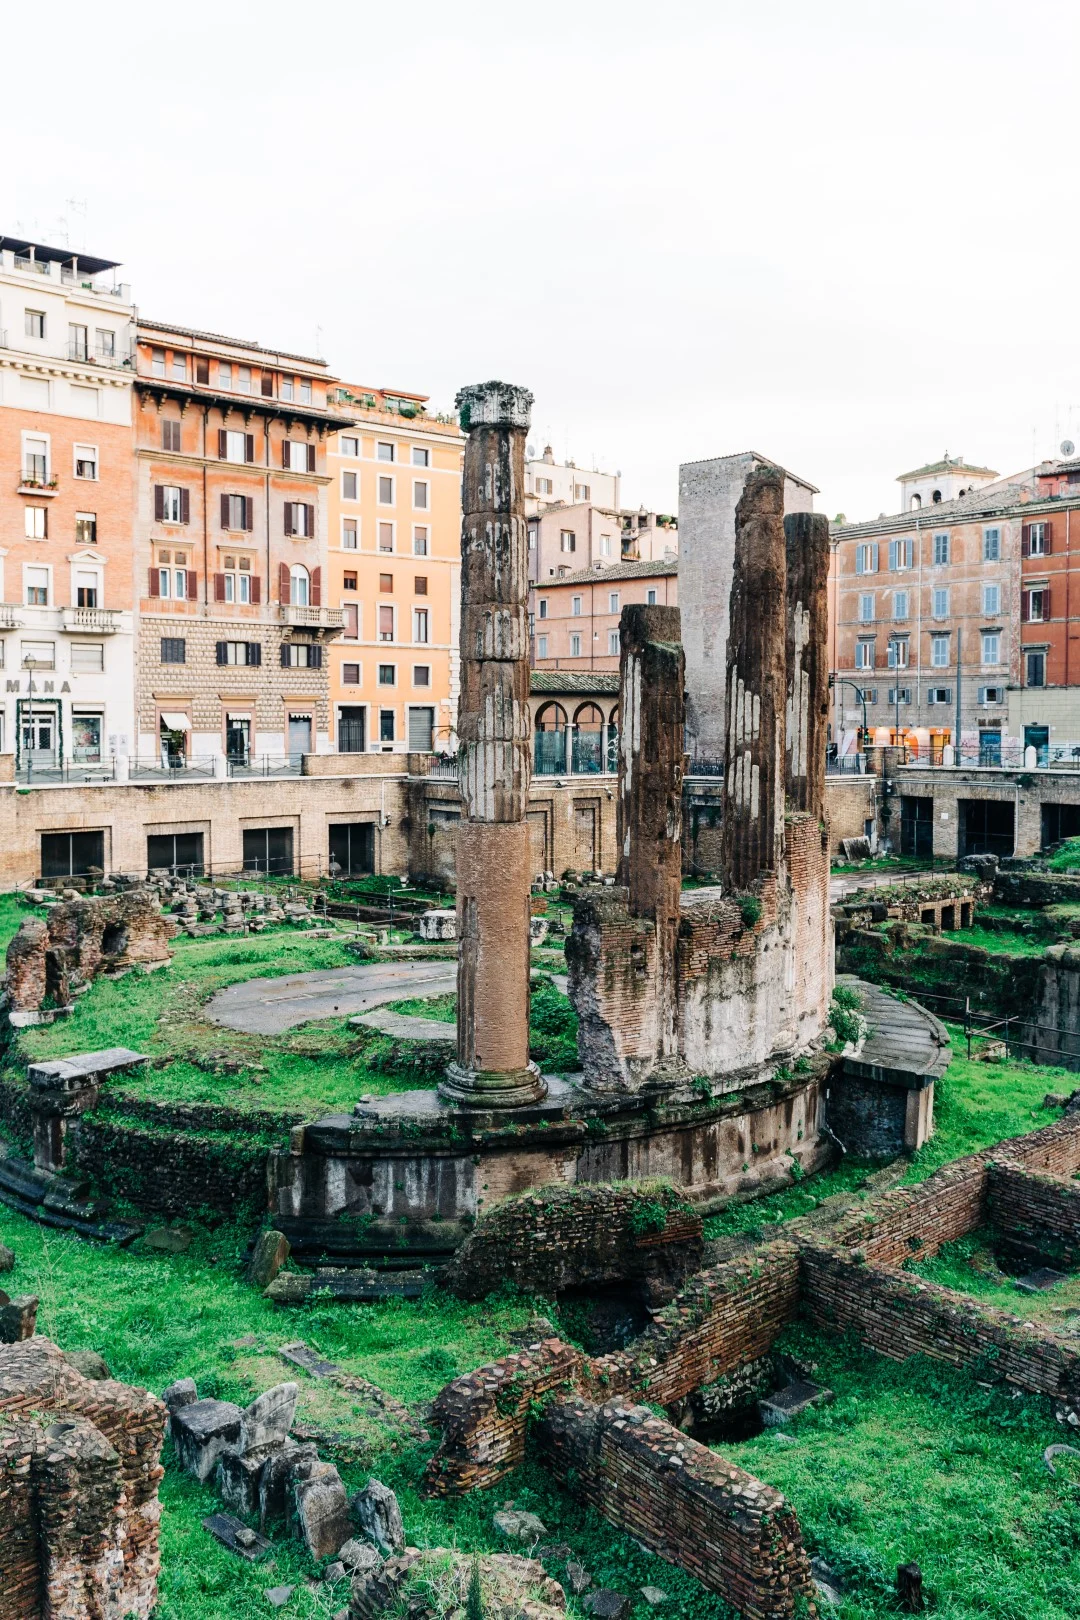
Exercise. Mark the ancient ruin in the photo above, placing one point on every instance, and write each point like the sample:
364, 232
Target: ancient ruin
79, 1472
53, 958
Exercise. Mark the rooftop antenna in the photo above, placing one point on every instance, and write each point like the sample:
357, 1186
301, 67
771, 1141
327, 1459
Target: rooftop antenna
77, 205
318, 341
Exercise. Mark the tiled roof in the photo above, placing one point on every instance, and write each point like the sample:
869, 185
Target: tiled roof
977, 504
573, 680
597, 576
946, 464
219, 337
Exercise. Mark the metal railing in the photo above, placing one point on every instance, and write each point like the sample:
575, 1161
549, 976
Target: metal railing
89, 356
252, 765
23, 261
1022, 1037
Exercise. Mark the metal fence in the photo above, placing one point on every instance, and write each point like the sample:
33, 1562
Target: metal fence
1022, 1037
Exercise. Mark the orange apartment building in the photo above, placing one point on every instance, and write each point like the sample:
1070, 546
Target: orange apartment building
393, 572
1044, 706
231, 530
66, 632
575, 620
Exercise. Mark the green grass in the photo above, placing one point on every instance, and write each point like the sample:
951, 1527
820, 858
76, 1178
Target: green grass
1001, 942
1067, 858
970, 1265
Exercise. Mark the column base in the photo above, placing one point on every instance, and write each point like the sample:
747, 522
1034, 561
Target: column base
483, 1088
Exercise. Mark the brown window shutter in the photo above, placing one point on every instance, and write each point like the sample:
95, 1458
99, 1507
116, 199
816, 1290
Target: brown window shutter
285, 453
1025, 540
1049, 532
249, 513
224, 511
185, 506
311, 458
249, 447
310, 528
192, 585
222, 444
155, 583
316, 587
159, 502
219, 587
283, 582
202, 371
267, 385
1025, 605
256, 588
288, 517
1046, 601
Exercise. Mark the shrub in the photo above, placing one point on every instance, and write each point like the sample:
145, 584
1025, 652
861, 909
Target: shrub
750, 909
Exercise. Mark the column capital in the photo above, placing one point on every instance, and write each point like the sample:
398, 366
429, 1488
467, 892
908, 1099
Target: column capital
494, 404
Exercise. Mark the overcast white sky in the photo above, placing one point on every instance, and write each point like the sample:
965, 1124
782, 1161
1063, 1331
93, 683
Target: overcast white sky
843, 234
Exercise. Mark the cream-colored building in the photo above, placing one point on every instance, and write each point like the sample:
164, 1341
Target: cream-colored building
549, 483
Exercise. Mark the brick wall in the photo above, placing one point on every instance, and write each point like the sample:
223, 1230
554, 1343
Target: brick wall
172, 1173
738, 1536
1031, 1206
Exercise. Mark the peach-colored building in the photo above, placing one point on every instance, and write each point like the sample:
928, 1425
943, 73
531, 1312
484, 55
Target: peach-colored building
575, 618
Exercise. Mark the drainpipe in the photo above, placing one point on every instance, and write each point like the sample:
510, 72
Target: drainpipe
959, 650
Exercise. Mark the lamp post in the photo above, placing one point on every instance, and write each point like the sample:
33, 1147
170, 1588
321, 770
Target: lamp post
30, 663
860, 696
894, 648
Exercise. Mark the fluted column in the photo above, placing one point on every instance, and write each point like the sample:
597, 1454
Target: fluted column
494, 876
807, 721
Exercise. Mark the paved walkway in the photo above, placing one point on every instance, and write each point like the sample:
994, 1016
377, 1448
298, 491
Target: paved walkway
270, 1006
406, 1026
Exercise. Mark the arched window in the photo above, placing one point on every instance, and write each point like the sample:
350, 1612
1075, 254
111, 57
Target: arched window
588, 748
916, 502
550, 727
299, 585
936, 497
961, 493
613, 741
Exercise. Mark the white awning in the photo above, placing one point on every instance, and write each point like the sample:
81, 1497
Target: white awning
174, 722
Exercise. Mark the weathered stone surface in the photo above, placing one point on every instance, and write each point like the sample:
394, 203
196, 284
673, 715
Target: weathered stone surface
179, 1394
270, 1253
319, 1511
267, 1421
806, 536
376, 1513
88, 1363
168, 1239
517, 1525
512, 1587
7, 1258
789, 1402
238, 1478
275, 1480
278, 1596
201, 1431
247, 1544
18, 1317
80, 939
607, 1605
435, 925
360, 1557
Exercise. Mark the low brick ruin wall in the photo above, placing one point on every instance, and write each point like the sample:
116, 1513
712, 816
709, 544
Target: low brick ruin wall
79, 1472
1030, 1206
172, 1173
738, 1536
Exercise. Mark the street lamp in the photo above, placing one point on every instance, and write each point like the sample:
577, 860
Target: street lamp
30, 663
860, 696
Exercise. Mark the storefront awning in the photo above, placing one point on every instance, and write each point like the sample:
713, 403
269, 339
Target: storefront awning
174, 722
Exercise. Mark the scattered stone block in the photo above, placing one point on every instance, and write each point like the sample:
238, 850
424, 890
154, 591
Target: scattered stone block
359, 1557
238, 1479
909, 1590
278, 1596
789, 1402
319, 1510
578, 1578
607, 1605
1055, 1099
89, 1363
181, 1393
376, 1512
517, 1525
270, 1253
247, 1544
1039, 1280
275, 1480
334, 1572
303, 1356
201, 1431
267, 1421
654, 1596
168, 1239
436, 925
7, 1258
18, 1317
290, 1288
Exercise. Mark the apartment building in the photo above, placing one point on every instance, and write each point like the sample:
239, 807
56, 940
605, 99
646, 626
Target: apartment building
563, 483
231, 532
1044, 703
563, 539
394, 571
66, 633
924, 624
575, 621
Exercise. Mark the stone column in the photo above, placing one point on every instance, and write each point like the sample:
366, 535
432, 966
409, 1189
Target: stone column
494, 876
807, 541
756, 692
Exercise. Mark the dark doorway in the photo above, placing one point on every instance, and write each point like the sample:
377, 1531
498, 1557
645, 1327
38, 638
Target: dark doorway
1059, 821
71, 854
352, 730
987, 827
268, 849
352, 848
917, 827
1038, 737
173, 851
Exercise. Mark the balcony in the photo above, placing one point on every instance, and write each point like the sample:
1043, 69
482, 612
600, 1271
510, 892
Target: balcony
22, 261
91, 621
34, 482
312, 618
84, 355
9, 619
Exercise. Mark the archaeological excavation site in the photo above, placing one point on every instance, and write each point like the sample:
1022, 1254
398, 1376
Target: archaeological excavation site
695, 1232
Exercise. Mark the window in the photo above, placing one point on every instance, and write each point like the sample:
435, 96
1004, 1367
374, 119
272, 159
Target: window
543, 606
170, 435
420, 494
179, 367
567, 540
386, 537
350, 486
1036, 604
173, 650
288, 388
87, 657
650, 598
36, 522
899, 694
940, 601
297, 455
386, 623
900, 605
300, 655
384, 452
421, 674
532, 536
300, 519
1038, 539
202, 370
575, 646
386, 582
78, 342
864, 655
34, 393
349, 534
40, 653
991, 694
349, 582
613, 602
237, 579
941, 550
613, 643
35, 460
349, 446
105, 343
237, 512
866, 609
991, 599
420, 585
1036, 668
225, 375
901, 554
939, 652
386, 725
234, 446
541, 646
420, 540
866, 559
575, 607
991, 647
387, 674
37, 587
157, 362
386, 491
582, 492
421, 457
991, 545
239, 652
305, 391
243, 379
420, 624
299, 585
605, 545
169, 503
35, 323
86, 528
898, 653
86, 461
86, 588
350, 621
350, 674
543, 486
939, 694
